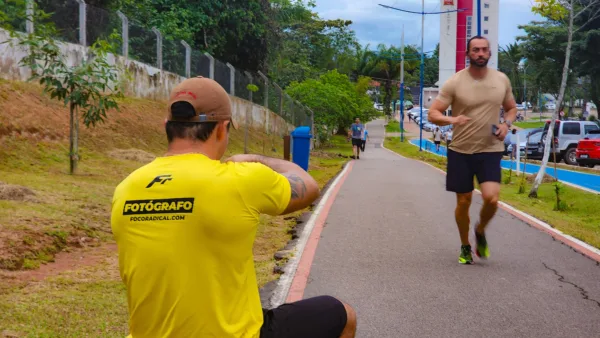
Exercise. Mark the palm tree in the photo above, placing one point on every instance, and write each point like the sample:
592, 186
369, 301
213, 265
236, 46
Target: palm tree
387, 67
509, 59
365, 62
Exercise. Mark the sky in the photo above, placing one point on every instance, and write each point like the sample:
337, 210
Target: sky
374, 24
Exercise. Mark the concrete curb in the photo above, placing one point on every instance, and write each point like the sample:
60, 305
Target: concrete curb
302, 260
574, 243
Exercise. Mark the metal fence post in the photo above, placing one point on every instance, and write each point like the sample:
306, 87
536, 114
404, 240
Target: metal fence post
231, 78
159, 61
293, 109
124, 34
29, 12
82, 23
266, 80
247, 118
211, 70
299, 105
280, 99
251, 82
188, 59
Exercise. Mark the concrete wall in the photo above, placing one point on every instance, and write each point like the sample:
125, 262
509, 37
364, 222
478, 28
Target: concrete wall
258, 116
140, 80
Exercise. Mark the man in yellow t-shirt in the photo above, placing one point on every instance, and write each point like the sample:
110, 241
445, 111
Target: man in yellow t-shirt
185, 226
476, 95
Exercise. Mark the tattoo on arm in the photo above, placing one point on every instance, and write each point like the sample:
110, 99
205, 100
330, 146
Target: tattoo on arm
298, 186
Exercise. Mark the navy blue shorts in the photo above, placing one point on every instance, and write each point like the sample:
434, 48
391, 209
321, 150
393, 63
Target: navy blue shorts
463, 168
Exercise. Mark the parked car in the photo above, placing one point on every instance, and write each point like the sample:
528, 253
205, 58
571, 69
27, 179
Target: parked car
428, 126
588, 149
533, 148
415, 112
566, 138
425, 118
512, 138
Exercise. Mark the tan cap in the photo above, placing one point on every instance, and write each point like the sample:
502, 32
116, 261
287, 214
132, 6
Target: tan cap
210, 101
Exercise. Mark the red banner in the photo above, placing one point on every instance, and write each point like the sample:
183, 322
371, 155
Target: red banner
449, 2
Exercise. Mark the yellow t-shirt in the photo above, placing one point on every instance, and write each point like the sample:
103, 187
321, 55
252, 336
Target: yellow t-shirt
185, 227
481, 101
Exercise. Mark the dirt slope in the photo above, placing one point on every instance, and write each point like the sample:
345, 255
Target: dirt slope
59, 211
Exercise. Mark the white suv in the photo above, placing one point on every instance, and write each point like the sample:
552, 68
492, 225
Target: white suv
566, 136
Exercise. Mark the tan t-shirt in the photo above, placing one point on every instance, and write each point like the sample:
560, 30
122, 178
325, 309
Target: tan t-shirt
481, 101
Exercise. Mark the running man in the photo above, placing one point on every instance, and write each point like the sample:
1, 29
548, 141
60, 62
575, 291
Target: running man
185, 226
365, 137
437, 139
477, 148
356, 130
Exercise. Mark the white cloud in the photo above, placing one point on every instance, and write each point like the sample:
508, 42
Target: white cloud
375, 24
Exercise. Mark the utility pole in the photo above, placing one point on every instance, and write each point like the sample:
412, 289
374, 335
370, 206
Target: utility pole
422, 74
402, 88
479, 17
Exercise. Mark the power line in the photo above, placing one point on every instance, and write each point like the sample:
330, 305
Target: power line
423, 13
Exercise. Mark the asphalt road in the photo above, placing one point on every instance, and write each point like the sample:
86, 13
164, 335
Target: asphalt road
390, 248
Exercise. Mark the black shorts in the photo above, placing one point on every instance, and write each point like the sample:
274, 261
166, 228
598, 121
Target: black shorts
462, 168
318, 317
356, 142
437, 142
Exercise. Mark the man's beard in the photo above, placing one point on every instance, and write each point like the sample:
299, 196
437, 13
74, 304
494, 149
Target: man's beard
478, 63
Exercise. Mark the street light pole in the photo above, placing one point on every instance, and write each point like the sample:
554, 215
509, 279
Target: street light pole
479, 17
402, 88
422, 71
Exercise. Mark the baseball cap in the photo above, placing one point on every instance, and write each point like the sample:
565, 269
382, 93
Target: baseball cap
209, 100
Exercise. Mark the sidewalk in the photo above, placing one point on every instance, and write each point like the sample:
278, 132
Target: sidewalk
390, 248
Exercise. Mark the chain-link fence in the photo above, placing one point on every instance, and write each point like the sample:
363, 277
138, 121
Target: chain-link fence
65, 16
105, 25
173, 56
80, 23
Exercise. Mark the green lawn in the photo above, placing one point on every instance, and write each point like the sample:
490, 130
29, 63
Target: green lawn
393, 127
531, 124
581, 219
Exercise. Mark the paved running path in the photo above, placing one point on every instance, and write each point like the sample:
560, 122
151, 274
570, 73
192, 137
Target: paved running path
390, 249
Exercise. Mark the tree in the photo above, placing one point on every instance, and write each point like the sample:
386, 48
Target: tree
335, 100
91, 87
509, 59
559, 10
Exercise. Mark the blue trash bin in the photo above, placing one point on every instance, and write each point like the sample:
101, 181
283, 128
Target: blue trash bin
301, 146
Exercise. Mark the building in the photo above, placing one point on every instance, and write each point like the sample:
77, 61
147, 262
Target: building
456, 28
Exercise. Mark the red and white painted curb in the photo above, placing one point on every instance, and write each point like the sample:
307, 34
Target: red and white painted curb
574, 243
291, 284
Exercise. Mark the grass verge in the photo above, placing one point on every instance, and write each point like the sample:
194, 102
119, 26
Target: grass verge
579, 220
393, 127
530, 124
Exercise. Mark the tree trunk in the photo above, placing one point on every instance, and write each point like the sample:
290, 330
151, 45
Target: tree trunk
549, 136
73, 137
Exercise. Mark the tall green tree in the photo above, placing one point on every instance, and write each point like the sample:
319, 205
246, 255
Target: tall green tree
566, 11
335, 100
509, 60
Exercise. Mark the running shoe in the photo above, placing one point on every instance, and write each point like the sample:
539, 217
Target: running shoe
482, 247
465, 255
